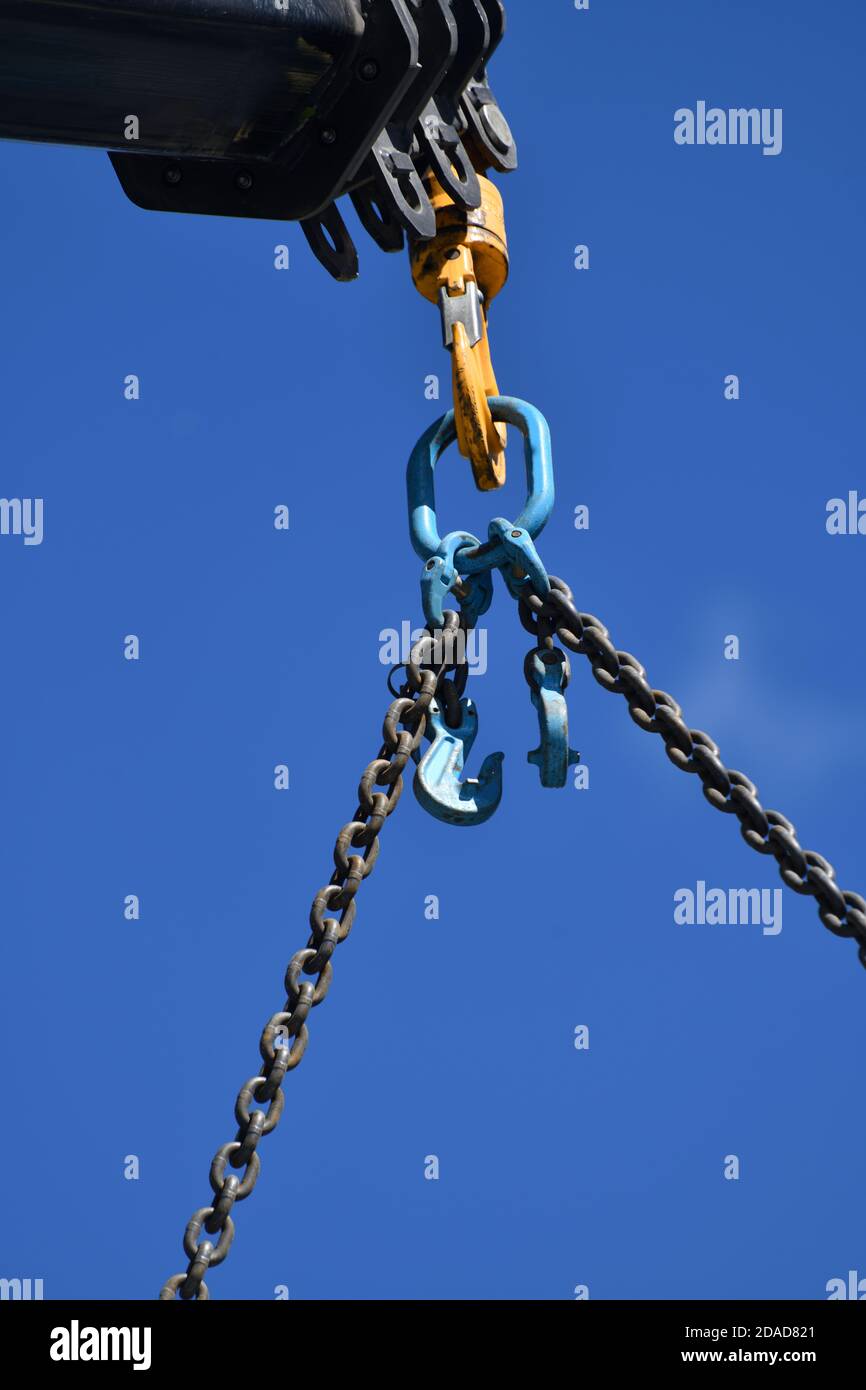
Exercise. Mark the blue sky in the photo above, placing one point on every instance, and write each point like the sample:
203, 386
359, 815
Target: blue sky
453, 1037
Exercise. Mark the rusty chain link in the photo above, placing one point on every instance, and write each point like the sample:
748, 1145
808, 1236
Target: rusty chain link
691, 750
284, 1038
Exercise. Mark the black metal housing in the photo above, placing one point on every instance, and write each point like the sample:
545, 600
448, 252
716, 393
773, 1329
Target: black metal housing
264, 108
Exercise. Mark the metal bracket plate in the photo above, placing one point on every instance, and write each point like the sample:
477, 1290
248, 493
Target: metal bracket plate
317, 163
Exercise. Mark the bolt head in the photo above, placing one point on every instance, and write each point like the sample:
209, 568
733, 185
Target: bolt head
243, 181
496, 127
172, 174
328, 135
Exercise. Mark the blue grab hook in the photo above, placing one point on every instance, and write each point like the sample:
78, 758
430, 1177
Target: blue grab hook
437, 778
548, 679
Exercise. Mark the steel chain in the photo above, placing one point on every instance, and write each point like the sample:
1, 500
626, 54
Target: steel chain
691, 750
284, 1038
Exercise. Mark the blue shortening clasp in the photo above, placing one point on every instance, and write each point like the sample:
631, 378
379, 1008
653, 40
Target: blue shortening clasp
437, 778
439, 576
460, 561
548, 673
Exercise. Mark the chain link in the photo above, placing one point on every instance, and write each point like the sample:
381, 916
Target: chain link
691, 750
284, 1037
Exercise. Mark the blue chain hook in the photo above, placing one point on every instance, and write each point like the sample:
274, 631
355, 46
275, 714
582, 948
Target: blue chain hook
548, 674
437, 778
